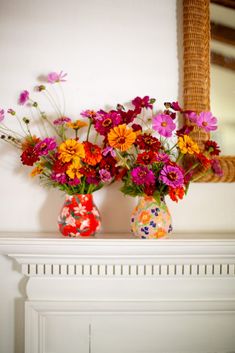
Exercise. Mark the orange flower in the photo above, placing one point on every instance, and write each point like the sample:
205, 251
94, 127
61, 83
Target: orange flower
160, 233
78, 124
37, 170
176, 193
73, 169
121, 137
92, 153
144, 217
187, 145
29, 142
71, 150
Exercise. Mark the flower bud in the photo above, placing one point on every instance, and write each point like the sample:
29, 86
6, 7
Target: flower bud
35, 104
26, 120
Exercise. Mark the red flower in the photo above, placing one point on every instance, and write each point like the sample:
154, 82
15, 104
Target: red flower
205, 162
185, 130
212, 147
148, 142
88, 171
59, 167
92, 153
176, 193
140, 103
146, 158
129, 116
149, 189
29, 156
108, 163
136, 127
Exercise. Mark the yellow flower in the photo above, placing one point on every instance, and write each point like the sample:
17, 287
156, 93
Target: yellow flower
71, 150
37, 170
121, 137
76, 124
73, 169
187, 145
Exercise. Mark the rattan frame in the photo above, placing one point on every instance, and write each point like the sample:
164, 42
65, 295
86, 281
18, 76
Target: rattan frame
196, 81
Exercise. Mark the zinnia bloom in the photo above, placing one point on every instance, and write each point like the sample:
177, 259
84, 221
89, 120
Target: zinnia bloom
29, 156
172, 176
73, 170
176, 193
76, 125
36, 171
205, 162
70, 150
143, 176
105, 176
212, 147
187, 145
23, 98
90, 114
164, 125
146, 158
121, 137
2, 115
61, 121
43, 147
59, 177
106, 121
54, 77
142, 102
148, 142
93, 153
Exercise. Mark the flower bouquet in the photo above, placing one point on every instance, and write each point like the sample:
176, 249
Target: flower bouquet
63, 157
152, 150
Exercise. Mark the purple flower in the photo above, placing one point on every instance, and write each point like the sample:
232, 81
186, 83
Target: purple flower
108, 150
105, 176
106, 121
54, 77
43, 147
2, 115
11, 111
163, 157
216, 167
24, 97
59, 177
61, 121
207, 121
164, 125
172, 176
142, 175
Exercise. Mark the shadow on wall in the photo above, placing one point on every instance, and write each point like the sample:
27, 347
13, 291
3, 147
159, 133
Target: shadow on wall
50, 209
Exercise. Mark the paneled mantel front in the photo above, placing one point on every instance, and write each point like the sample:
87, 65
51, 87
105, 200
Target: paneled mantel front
116, 294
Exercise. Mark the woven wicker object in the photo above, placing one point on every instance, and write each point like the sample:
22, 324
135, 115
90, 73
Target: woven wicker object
196, 41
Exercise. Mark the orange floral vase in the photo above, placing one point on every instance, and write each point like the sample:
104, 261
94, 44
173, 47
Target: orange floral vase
79, 216
151, 219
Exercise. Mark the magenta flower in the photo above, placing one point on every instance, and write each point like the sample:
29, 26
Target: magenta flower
61, 121
24, 97
172, 176
109, 150
106, 121
43, 147
74, 182
90, 114
140, 103
105, 176
163, 157
207, 121
175, 106
60, 178
164, 125
54, 77
216, 167
143, 176
193, 117
2, 115
11, 111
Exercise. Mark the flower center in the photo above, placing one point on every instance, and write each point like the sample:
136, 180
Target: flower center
121, 140
172, 176
43, 145
142, 174
204, 123
163, 124
107, 122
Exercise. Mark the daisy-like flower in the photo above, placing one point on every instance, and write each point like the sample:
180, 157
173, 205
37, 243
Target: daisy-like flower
142, 102
104, 122
172, 176
207, 121
2, 115
73, 170
93, 153
61, 121
54, 77
121, 137
43, 147
164, 125
147, 142
163, 157
59, 177
29, 156
176, 193
143, 176
90, 114
24, 97
187, 145
76, 125
105, 176
71, 150
212, 147
146, 158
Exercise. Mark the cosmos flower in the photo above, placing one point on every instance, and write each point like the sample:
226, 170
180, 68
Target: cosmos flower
61, 121
54, 77
23, 98
172, 176
142, 102
164, 125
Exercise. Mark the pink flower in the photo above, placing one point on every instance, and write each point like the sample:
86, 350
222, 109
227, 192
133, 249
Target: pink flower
24, 97
2, 115
207, 121
91, 114
164, 125
74, 182
54, 77
163, 157
43, 147
105, 176
61, 121
172, 176
143, 176
216, 167
60, 178
108, 150
106, 121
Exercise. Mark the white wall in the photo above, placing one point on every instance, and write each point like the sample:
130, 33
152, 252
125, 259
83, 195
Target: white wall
112, 51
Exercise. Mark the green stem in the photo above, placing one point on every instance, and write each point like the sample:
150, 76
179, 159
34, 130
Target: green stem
88, 131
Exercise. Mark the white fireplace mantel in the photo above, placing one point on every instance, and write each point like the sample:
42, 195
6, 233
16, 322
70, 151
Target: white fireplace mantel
187, 281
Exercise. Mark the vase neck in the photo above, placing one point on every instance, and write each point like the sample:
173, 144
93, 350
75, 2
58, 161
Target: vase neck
81, 197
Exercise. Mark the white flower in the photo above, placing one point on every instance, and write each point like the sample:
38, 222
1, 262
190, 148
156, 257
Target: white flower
95, 212
70, 221
85, 224
65, 212
80, 209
